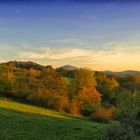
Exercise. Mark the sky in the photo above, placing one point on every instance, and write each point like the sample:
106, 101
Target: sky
101, 35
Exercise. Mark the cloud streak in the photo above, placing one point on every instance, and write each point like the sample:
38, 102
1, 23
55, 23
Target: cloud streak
113, 55
56, 54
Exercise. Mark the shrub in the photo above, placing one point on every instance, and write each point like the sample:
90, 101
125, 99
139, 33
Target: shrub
103, 115
88, 108
133, 122
120, 132
128, 105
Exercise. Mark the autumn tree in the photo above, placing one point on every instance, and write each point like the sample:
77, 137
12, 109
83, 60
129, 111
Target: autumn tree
84, 88
51, 90
6, 77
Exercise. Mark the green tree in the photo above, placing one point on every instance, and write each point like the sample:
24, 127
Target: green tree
106, 86
130, 83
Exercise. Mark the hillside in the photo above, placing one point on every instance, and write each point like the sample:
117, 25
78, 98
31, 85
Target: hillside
24, 65
33, 65
69, 67
122, 73
20, 121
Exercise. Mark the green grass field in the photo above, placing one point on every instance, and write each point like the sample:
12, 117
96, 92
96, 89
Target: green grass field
19, 121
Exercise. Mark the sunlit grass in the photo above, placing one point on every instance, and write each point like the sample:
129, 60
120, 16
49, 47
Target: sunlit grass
7, 103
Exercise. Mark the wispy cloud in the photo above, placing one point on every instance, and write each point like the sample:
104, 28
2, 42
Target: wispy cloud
113, 56
56, 54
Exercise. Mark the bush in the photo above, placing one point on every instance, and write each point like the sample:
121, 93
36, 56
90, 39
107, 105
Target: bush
103, 115
128, 105
134, 122
88, 108
120, 132
127, 113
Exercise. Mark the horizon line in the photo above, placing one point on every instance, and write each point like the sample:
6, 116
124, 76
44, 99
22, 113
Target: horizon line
72, 66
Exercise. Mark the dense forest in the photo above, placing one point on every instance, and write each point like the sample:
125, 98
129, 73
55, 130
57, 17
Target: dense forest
79, 92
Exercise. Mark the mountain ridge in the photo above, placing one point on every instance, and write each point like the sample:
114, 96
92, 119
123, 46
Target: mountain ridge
69, 67
123, 73
30, 64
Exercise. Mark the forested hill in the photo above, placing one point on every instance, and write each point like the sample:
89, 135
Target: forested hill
35, 66
122, 73
24, 65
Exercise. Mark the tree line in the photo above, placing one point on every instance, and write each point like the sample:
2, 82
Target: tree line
79, 91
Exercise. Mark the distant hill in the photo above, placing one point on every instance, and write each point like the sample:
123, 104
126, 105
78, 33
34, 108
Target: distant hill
24, 65
33, 65
69, 67
30, 64
122, 73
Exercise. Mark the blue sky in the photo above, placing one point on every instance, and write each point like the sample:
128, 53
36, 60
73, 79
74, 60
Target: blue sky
99, 35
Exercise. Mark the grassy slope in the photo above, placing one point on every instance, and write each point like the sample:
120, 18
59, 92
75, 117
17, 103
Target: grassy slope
19, 121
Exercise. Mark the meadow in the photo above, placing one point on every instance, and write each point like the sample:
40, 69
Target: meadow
19, 121
43, 103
